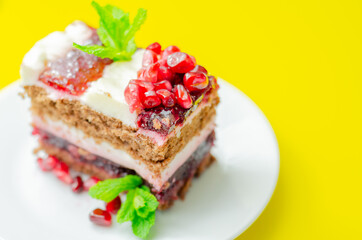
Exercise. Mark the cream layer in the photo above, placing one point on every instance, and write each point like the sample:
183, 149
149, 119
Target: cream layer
105, 150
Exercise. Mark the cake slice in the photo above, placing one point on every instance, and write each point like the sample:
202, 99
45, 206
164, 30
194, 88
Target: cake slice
150, 114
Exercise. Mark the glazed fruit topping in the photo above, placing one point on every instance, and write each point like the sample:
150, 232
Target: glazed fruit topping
73, 72
114, 205
168, 79
101, 217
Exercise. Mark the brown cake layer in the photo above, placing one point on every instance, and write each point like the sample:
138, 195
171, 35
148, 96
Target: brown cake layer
104, 128
166, 198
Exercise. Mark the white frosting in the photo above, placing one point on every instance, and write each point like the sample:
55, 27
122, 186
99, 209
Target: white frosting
120, 157
106, 95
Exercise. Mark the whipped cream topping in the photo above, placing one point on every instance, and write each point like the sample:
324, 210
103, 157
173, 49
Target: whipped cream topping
105, 150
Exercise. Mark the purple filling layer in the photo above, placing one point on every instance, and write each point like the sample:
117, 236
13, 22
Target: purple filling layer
185, 172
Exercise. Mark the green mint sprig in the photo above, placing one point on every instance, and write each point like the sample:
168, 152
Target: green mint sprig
140, 205
116, 33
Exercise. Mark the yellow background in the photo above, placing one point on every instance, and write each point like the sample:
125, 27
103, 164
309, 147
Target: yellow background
300, 61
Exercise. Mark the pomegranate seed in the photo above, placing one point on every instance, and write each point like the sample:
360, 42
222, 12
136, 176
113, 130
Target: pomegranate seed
165, 73
163, 85
151, 72
167, 97
168, 51
48, 163
61, 170
149, 57
183, 97
214, 82
132, 96
150, 99
199, 68
144, 85
155, 47
195, 81
141, 73
90, 182
163, 62
114, 205
77, 185
180, 62
101, 217
40, 163
35, 131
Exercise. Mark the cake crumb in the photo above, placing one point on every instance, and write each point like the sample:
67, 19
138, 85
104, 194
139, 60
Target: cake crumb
156, 124
166, 121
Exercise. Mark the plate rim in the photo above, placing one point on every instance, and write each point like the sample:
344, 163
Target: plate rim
276, 180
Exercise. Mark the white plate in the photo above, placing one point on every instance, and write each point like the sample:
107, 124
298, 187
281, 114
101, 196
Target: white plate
220, 205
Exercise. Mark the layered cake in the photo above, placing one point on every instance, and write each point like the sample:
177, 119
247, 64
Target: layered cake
150, 114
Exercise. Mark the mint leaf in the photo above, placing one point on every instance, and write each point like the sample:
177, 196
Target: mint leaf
138, 202
103, 52
136, 25
150, 200
141, 226
109, 189
127, 211
144, 187
116, 33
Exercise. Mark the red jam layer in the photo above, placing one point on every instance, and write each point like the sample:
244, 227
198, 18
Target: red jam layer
73, 72
185, 172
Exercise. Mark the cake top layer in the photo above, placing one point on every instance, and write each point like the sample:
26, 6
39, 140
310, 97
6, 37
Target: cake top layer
155, 91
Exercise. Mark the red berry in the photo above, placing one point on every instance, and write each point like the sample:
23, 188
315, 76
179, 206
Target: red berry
61, 170
165, 73
77, 185
155, 47
40, 163
101, 217
151, 72
144, 85
47, 164
168, 98
168, 51
132, 95
150, 99
199, 68
213, 82
114, 205
180, 62
90, 182
163, 85
183, 97
195, 81
141, 73
149, 57
35, 131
